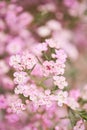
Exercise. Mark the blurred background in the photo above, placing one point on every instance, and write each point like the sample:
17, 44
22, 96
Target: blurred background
25, 23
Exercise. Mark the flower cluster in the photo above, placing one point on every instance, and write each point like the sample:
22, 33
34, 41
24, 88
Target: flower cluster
52, 67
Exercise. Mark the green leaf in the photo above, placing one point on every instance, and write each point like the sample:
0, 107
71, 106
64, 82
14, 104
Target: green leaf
83, 114
72, 117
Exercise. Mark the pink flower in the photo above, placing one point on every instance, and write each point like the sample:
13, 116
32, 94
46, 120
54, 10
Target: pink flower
48, 68
51, 43
54, 24
57, 128
59, 68
22, 17
28, 60
75, 93
12, 118
41, 47
3, 67
2, 24
71, 102
7, 83
15, 61
60, 81
22, 89
60, 55
15, 46
69, 3
79, 125
15, 104
43, 31
20, 77
3, 102
61, 97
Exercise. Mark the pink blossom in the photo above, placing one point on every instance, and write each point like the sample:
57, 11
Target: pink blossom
30, 60
15, 61
69, 3
15, 104
20, 77
7, 83
23, 16
75, 94
41, 47
48, 68
3, 102
71, 102
2, 24
54, 25
60, 81
4, 68
57, 128
61, 97
12, 118
22, 89
79, 125
51, 43
15, 46
59, 68
43, 31
60, 55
